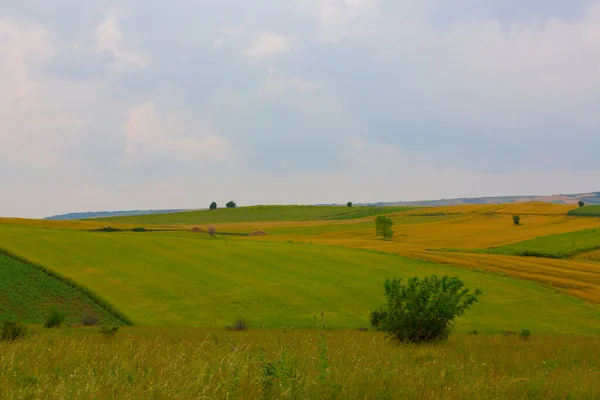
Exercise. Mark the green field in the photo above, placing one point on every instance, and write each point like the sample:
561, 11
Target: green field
587, 211
258, 214
185, 279
27, 293
562, 245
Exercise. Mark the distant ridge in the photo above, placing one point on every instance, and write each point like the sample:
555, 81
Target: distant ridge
104, 214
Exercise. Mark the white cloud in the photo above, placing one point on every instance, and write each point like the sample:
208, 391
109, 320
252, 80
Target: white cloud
109, 38
342, 18
268, 44
179, 134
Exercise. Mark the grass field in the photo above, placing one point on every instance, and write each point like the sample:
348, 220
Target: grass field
27, 293
185, 279
195, 364
587, 211
258, 214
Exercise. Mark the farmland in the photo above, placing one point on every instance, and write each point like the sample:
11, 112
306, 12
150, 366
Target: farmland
588, 211
317, 270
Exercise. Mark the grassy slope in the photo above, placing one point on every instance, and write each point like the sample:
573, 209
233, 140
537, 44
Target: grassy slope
258, 213
27, 293
183, 279
587, 211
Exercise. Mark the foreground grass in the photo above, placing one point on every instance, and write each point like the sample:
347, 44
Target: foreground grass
296, 365
185, 279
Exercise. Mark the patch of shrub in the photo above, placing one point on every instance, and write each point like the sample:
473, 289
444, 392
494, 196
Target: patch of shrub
55, 318
90, 319
581, 204
231, 204
11, 331
212, 231
239, 324
516, 220
139, 229
108, 331
423, 310
107, 229
525, 334
349, 204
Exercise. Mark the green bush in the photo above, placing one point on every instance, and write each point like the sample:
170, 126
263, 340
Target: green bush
349, 204
108, 331
55, 318
231, 204
239, 324
423, 310
139, 229
213, 206
12, 330
108, 229
516, 220
383, 227
525, 334
581, 204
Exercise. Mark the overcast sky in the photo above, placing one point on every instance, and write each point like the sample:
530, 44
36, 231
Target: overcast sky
137, 104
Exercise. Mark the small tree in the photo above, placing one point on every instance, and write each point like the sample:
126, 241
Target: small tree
423, 310
516, 220
349, 204
212, 231
213, 206
231, 204
581, 203
383, 227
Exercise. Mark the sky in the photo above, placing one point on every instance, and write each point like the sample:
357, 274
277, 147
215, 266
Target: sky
147, 104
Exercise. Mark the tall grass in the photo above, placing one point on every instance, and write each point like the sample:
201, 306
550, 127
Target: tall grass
299, 365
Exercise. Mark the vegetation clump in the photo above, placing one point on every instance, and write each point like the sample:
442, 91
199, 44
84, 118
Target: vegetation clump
383, 227
516, 220
349, 204
239, 324
139, 229
108, 331
56, 317
213, 206
11, 331
89, 319
107, 229
231, 204
581, 203
525, 334
423, 310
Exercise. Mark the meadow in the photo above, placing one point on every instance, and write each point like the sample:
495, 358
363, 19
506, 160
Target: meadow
143, 363
306, 289
587, 211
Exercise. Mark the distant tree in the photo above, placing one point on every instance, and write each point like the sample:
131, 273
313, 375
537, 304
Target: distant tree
213, 205
349, 204
231, 204
383, 227
516, 220
422, 310
212, 231
581, 203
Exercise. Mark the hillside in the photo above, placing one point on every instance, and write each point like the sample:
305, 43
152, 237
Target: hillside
27, 293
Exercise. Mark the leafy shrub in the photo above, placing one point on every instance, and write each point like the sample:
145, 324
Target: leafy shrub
423, 310
212, 231
383, 227
516, 220
213, 206
231, 204
12, 330
525, 334
139, 229
55, 318
239, 324
108, 331
89, 319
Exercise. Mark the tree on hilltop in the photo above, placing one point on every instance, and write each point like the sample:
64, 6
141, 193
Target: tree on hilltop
349, 204
231, 204
383, 227
581, 203
213, 205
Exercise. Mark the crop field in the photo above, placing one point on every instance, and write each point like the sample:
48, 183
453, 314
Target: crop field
144, 363
587, 211
562, 245
258, 214
27, 293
